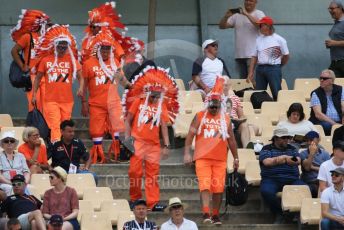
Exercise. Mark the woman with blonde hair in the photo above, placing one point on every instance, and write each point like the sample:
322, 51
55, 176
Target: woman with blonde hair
34, 151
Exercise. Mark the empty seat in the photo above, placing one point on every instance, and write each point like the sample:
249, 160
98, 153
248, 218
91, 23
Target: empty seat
97, 195
197, 106
80, 181
267, 130
252, 173
113, 208
18, 132
41, 183
291, 96
95, 220
320, 130
123, 217
259, 119
33, 191
310, 211
326, 142
273, 110
186, 98
307, 85
244, 155
247, 108
339, 81
292, 196
182, 124
239, 84
6, 120
84, 206
180, 83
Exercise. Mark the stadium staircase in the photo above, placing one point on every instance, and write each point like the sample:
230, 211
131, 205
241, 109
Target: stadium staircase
179, 180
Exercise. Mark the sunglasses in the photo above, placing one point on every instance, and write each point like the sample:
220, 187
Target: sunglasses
214, 107
213, 45
176, 207
335, 174
7, 141
285, 138
14, 184
324, 78
62, 47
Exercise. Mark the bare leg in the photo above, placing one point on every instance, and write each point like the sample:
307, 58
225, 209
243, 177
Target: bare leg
205, 196
67, 226
244, 134
217, 198
38, 217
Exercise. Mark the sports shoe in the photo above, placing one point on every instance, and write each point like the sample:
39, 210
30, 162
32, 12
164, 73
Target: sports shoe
158, 207
206, 218
216, 220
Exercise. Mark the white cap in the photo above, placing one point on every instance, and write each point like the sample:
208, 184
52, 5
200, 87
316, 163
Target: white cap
8, 134
208, 42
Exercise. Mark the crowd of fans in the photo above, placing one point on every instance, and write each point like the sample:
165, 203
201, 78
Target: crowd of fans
150, 103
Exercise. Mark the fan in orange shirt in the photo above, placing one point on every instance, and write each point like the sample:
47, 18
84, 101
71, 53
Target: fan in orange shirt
103, 17
34, 151
151, 103
31, 26
214, 134
59, 66
102, 73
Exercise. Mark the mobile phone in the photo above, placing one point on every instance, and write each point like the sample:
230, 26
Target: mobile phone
235, 11
294, 158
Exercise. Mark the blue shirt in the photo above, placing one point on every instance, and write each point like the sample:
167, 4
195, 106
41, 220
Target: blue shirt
319, 158
281, 171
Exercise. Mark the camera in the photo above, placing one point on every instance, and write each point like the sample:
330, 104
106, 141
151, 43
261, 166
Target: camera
236, 10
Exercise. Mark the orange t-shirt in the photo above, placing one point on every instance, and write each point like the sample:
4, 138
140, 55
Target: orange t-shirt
209, 143
144, 132
58, 82
101, 89
28, 153
24, 43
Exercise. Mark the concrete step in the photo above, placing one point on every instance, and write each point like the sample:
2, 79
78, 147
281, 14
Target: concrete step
80, 122
122, 168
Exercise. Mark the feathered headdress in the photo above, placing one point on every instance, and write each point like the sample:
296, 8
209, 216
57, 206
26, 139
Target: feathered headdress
217, 94
157, 80
130, 47
29, 21
48, 42
103, 38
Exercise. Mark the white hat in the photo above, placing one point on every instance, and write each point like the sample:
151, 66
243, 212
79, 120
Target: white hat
208, 42
174, 201
61, 172
8, 134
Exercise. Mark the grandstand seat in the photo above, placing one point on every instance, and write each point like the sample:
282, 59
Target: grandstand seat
248, 93
96, 195
180, 83
326, 142
244, 155
310, 211
33, 191
259, 119
41, 183
292, 196
123, 217
113, 208
339, 81
80, 181
247, 108
186, 98
18, 132
273, 110
182, 124
84, 206
320, 130
291, 96
95, 220
284, 86
197, 106
334, 127
6, 120
307, 85
239, 84
252, 173
267, 130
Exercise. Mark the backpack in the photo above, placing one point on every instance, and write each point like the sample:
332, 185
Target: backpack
18, 78
35, 118
257, 98
236, 189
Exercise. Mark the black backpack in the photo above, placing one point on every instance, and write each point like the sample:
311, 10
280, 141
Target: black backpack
18, 78
236, 189
257, 98
35, 118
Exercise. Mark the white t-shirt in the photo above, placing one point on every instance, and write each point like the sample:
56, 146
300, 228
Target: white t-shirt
270, 49
335, 200
210, 70
301, 128
324, 171
245, 33
186, 225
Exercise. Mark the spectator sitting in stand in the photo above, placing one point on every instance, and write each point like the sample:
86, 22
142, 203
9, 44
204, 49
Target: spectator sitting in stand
34, 151
311, 159
140, 222
13, 224
338, 134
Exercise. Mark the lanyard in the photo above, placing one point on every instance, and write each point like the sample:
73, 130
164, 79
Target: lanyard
71, 151
9, 162
138, 226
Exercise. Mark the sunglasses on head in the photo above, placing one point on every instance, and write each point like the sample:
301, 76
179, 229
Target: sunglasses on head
14, 184
324, 78
7, 141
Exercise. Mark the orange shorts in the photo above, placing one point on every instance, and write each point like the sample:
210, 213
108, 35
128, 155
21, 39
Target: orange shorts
211, 175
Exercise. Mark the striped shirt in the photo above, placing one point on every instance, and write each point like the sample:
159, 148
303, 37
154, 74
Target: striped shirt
133, 225
236, 103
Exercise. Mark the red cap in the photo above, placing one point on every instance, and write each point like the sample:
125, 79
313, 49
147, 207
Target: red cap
266, 20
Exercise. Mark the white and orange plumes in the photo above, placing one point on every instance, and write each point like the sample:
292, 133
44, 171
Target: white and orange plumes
48, 42
131, 47
103, 38
151, 79
217, 94
29, 21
